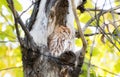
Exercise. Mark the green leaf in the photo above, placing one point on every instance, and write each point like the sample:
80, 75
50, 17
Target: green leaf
78, 42
3, 48
117, 66
11, 35
89, 4
88, 31
84, 17
3, 2
17, 5
108, 16
96, 51
101, 21
18, 72
117, 2
2, 35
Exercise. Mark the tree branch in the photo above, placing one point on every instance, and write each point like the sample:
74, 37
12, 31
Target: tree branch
11, 6
92, 9
7, 41
79, 28
10, 68
80, 54
102, 69
109, 38
91, 53
18, 20
26, 10
34, 14
92, 34
98, 15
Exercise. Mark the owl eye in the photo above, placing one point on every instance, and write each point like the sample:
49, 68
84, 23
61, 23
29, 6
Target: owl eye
51, 14
63, 39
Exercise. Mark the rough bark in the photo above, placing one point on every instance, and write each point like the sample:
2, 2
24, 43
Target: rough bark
37, 61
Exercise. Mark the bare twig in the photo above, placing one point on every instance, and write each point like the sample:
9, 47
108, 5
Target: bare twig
34, 14
7, 41
5, 18
109, 39
102, 69
92, 9
80, 54
97, 20
6, 34
112, 13
11, 6
10, 68
98, 15
92, 34
79, 28
91, 52
26, 9
18, 19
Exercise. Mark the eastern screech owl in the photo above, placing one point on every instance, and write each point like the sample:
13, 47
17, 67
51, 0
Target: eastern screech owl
60, 41
60, 31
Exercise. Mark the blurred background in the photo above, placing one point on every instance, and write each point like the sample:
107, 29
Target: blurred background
101, 25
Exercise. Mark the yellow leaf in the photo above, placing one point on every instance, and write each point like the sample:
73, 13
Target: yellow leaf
78, 42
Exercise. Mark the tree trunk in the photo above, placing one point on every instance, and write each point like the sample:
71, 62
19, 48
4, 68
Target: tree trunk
36, 56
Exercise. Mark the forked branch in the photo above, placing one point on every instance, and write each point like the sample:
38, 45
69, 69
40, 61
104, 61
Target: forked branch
18, 20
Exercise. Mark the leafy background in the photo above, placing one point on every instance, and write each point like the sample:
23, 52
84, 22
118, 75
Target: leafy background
102, 58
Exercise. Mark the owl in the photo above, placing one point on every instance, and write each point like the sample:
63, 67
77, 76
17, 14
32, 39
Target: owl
60, 41
60, 30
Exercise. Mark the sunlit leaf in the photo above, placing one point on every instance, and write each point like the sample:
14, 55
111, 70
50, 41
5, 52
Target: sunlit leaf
88, 31
3, 2
78, 42
85, 17
3, 50
89, 4
108, 16
96, 52
117, 2
17, 5
117, 67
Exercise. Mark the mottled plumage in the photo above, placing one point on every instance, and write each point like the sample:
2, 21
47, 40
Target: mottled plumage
61, 33
60, 40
